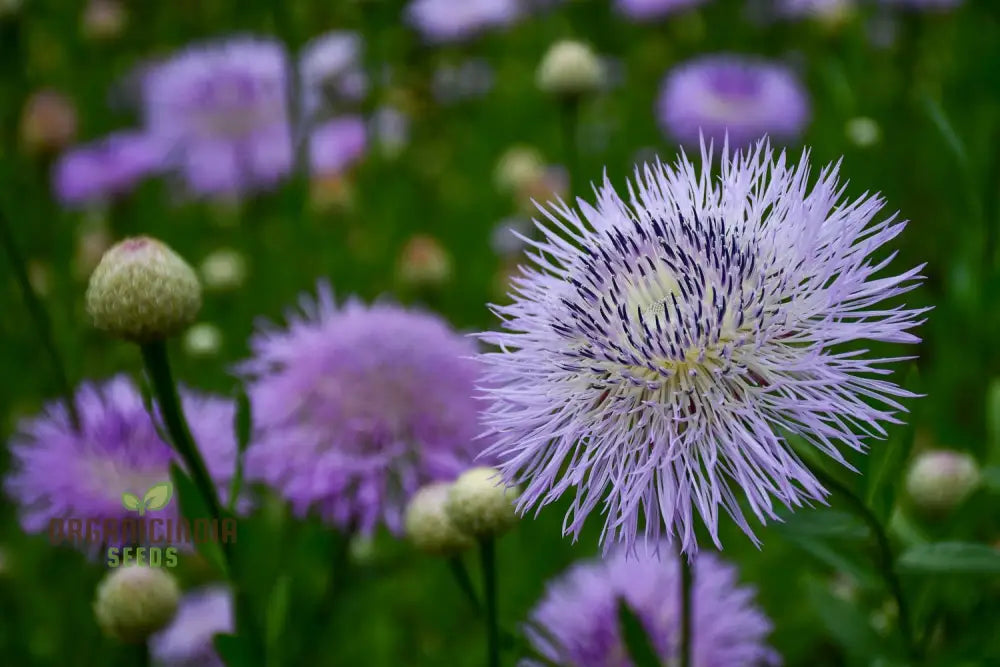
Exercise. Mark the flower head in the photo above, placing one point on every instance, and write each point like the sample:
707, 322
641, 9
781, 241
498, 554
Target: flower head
449, 21
664, 347
570, 69
480, 504
143, 291
135, 601
580, 613
744, 98
58, 472
337, 144
428, 525
220, 107
359, 406
109, 167
187, 641
648, 10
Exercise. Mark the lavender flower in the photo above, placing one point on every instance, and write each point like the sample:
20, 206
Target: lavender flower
59, 473
337, 144
187, 641
449, 21
579, 613
331, 70
817, 9
106, 168
656, 359
220, 107
648, 10
745, 98
358, 406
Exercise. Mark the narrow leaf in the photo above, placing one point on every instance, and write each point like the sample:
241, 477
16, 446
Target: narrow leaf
944, 127
822, 523
275, 618
193, 507
951, 558
640, 649
243, 420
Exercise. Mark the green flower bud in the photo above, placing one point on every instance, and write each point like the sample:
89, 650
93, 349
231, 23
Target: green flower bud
939, 480
142, 291
429, 526
480, 504
570, 69
135, 601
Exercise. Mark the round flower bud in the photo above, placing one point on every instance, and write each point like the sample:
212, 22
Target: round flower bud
203, 340
223, 269
570, 69
135, 601
429, 526
479, 504
143, 291
940, 480
103, 19
424, 263
518, 167
863, 132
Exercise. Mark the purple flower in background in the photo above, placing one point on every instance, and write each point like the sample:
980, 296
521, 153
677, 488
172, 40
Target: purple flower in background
109, 167
579, 613
663, 347
331, 70
337, 143
820, 9
187, 641
220, 108
358, 406
743, 97
450, 21
647, 10
470, 79
59, 473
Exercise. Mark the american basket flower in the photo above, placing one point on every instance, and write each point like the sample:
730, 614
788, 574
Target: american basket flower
663, 346
576, 622
359, 406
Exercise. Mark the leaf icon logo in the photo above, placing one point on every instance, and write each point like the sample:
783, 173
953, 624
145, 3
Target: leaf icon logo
156, 498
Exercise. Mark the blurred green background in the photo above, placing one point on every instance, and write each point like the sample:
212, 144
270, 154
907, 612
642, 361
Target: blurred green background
933, 91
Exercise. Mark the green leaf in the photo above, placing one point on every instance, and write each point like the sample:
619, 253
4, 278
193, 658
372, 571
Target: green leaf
821, 523
640, 649
951, 558
840, 560
848, 625
193, 507
130, 501
887, 459
990, 476
944, 127
234, 653
275, 617
993, 422
243, 420
158, 496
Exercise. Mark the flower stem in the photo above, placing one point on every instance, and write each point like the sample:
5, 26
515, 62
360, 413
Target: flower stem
464, 582
154, 355
687, 586
43, 326
487, 553
885, 560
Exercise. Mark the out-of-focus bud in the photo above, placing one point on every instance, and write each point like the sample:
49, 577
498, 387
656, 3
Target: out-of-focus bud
553, 185
518, 167
939, 480
103, 19
480, 504
39, 276
424, 263
48, 122
143, 291
92, 241
133, 602
203, 340
570, 70
429, 526
223, 270
863, 132
331, 191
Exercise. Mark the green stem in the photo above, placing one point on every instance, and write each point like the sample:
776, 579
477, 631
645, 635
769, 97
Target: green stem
687, 586
886, 559
158, 366
235, 484
40, 317
487, 553
464, 582
570, 120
